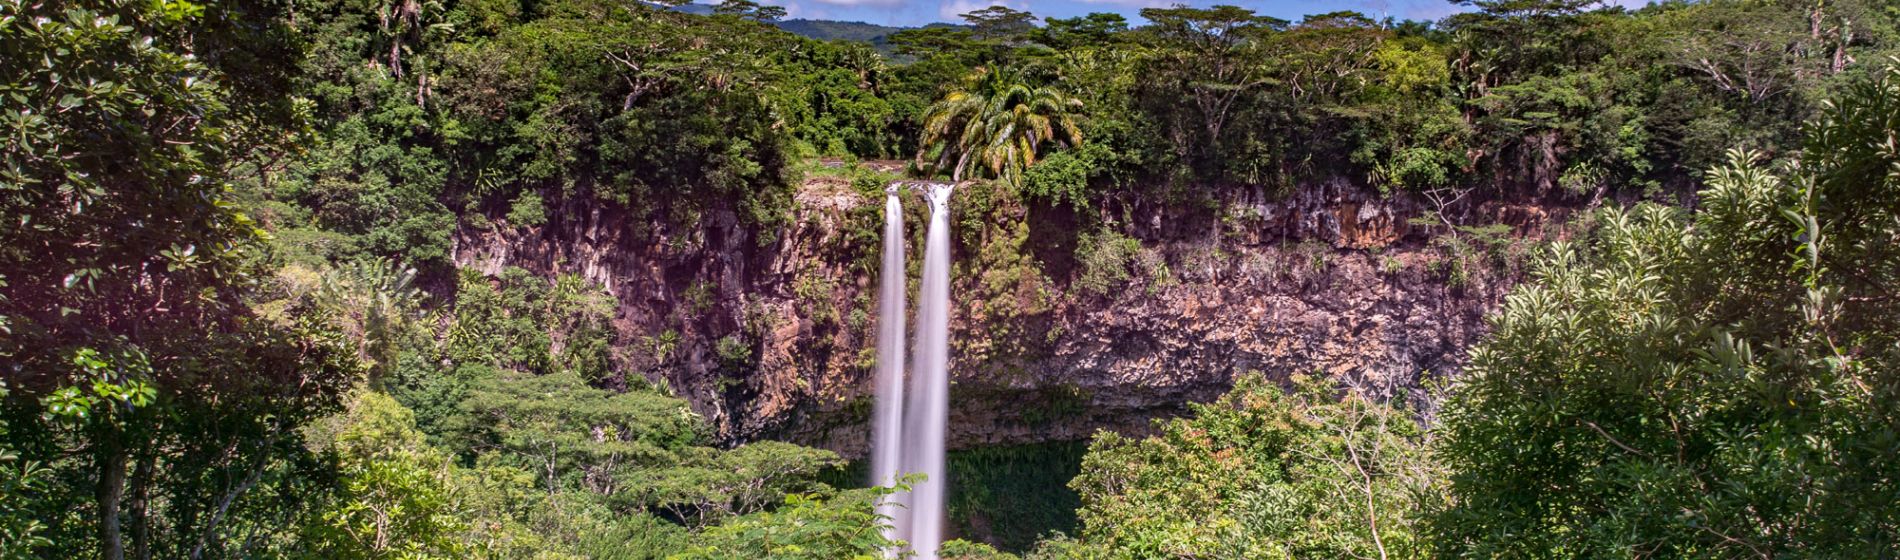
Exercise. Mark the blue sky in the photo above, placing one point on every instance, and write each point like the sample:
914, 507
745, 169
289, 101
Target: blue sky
919, 12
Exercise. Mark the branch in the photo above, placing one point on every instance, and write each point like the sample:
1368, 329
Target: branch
1606, 435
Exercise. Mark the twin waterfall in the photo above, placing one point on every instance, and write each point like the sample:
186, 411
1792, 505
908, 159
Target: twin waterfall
908, 433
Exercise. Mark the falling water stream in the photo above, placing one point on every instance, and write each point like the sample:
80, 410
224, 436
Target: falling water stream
908, 431
886, 447
927, 412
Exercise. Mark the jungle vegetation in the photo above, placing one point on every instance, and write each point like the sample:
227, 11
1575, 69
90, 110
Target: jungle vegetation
231, 325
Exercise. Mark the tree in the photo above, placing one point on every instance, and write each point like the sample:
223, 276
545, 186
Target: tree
747, 9
1531, 8
807, 527
1001, 23
1260, 474
396, 498
1709, 385
998, 124
931, 41
1093, 29
402, 22
1506, 40
567, 432
839, 100
637, 450
1327, 53
20, 528
1210, 56
145, 384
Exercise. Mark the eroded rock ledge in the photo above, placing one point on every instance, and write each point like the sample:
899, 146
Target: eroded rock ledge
1334, 281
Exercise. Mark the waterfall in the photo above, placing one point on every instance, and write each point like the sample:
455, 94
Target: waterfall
886, 450
927, 412
908, 424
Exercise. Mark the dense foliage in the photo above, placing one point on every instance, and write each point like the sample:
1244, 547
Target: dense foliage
1709, 385
1539, 97
431, 110
1260, 474
150, 411
174, 390
231, 325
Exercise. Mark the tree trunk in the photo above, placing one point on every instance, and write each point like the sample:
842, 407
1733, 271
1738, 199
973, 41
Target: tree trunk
1815, 16
110, 457
140, 507
395, 56
1840, 47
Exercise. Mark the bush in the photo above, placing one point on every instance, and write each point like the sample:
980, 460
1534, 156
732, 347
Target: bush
1066, 176
527, 210
959, 549
1260, 474
1709, 385
808, 527
733, 351
1103, 259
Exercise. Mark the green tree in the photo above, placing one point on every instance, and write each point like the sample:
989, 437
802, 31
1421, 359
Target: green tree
1259, 474
748, 9
1001, 23
1211, 58
567, 432
1094, 29
839, 100
999, 126
153, 395
1708, 385
396, 498
20, 527
637, 450
806, 527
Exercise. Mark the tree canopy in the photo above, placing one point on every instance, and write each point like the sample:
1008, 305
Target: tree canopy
1715, 384
233, 324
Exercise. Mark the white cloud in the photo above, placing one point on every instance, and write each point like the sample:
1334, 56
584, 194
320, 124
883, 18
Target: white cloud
798, 10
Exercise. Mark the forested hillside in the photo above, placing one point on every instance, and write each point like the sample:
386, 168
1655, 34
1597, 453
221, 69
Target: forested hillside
314, 279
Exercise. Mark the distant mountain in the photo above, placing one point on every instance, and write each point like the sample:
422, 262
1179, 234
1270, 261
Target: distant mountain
695, 9
828, 30
822, 29
825, 29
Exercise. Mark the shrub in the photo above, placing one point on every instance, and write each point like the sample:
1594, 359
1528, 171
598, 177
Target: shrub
1103, 260
733, 351
1261, 474
1713, 385
527, 210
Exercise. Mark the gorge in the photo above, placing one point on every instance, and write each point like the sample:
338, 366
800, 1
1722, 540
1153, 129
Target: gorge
631, 280
1340, 282
1335, 280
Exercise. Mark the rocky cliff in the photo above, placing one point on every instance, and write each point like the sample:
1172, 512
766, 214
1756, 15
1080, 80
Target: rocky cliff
1060, 329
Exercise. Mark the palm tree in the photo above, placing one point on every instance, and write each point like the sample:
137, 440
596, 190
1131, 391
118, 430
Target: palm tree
999, 125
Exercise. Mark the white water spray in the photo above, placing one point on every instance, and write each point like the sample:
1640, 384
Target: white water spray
927, 412
887, 424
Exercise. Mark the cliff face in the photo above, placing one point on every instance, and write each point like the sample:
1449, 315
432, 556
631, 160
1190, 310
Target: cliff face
773, 339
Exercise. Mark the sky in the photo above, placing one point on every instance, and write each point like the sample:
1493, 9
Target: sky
908, 13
